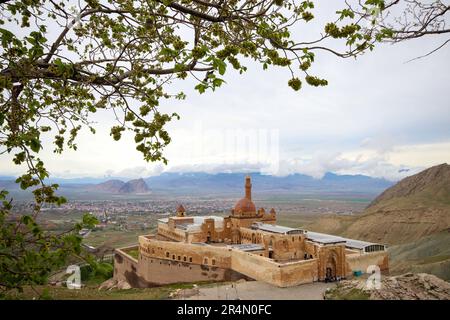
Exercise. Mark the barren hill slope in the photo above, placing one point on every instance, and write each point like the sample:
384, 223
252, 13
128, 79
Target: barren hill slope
120, 187
429, 187
415, 207
110, 186
430, 254
135, 186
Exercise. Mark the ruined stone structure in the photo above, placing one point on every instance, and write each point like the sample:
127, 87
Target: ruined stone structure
246, 244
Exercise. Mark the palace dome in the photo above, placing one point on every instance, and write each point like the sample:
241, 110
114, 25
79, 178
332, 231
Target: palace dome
245, 206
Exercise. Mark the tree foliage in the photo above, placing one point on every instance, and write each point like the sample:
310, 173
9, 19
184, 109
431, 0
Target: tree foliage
29, 254
403, 20
62, 61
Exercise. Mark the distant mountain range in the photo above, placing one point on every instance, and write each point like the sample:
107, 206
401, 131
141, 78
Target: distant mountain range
119, 187
298, 183
196, 183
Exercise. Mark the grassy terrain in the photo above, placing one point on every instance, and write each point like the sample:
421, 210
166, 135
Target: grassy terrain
341, 293
114, 238
294, 220
331, 223
430, 254
91, 292
134, 253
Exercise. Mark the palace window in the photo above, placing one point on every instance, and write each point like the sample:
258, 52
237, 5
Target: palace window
167, 254
173, 257
184, 258
205, 261
190, 259
179, 257
213, 262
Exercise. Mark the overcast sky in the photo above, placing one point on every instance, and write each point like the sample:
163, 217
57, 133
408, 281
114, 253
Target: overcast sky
378, 115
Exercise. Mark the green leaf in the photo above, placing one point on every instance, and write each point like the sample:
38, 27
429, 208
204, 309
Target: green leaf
200, 87
35, 145
295, 84
7, 37
89, 220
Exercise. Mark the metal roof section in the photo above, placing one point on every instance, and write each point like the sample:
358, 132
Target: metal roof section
349, 243
324, 238
183, 226
247, 247
276, 228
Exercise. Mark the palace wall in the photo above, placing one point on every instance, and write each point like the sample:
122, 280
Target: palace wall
311, 248
208, 231
285, 247
164, 262
168, 262
360, 262
278, 274
186, 252
299, 272
208, 228
162, 271
255, 266
175, 234
126, 268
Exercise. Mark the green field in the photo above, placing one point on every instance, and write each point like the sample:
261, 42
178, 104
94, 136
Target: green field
114, 238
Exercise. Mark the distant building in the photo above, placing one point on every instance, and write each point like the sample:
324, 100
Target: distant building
246, 244
84, 232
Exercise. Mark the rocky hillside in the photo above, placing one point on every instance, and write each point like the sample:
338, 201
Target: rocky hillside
110, 186
429, 187
408, 286
415, 207
430, 254
120, 187
135, 186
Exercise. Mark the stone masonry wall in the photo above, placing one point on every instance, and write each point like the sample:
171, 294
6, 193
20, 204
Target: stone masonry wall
360, 262
126, 268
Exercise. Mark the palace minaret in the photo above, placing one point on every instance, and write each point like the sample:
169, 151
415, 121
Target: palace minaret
248, 188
